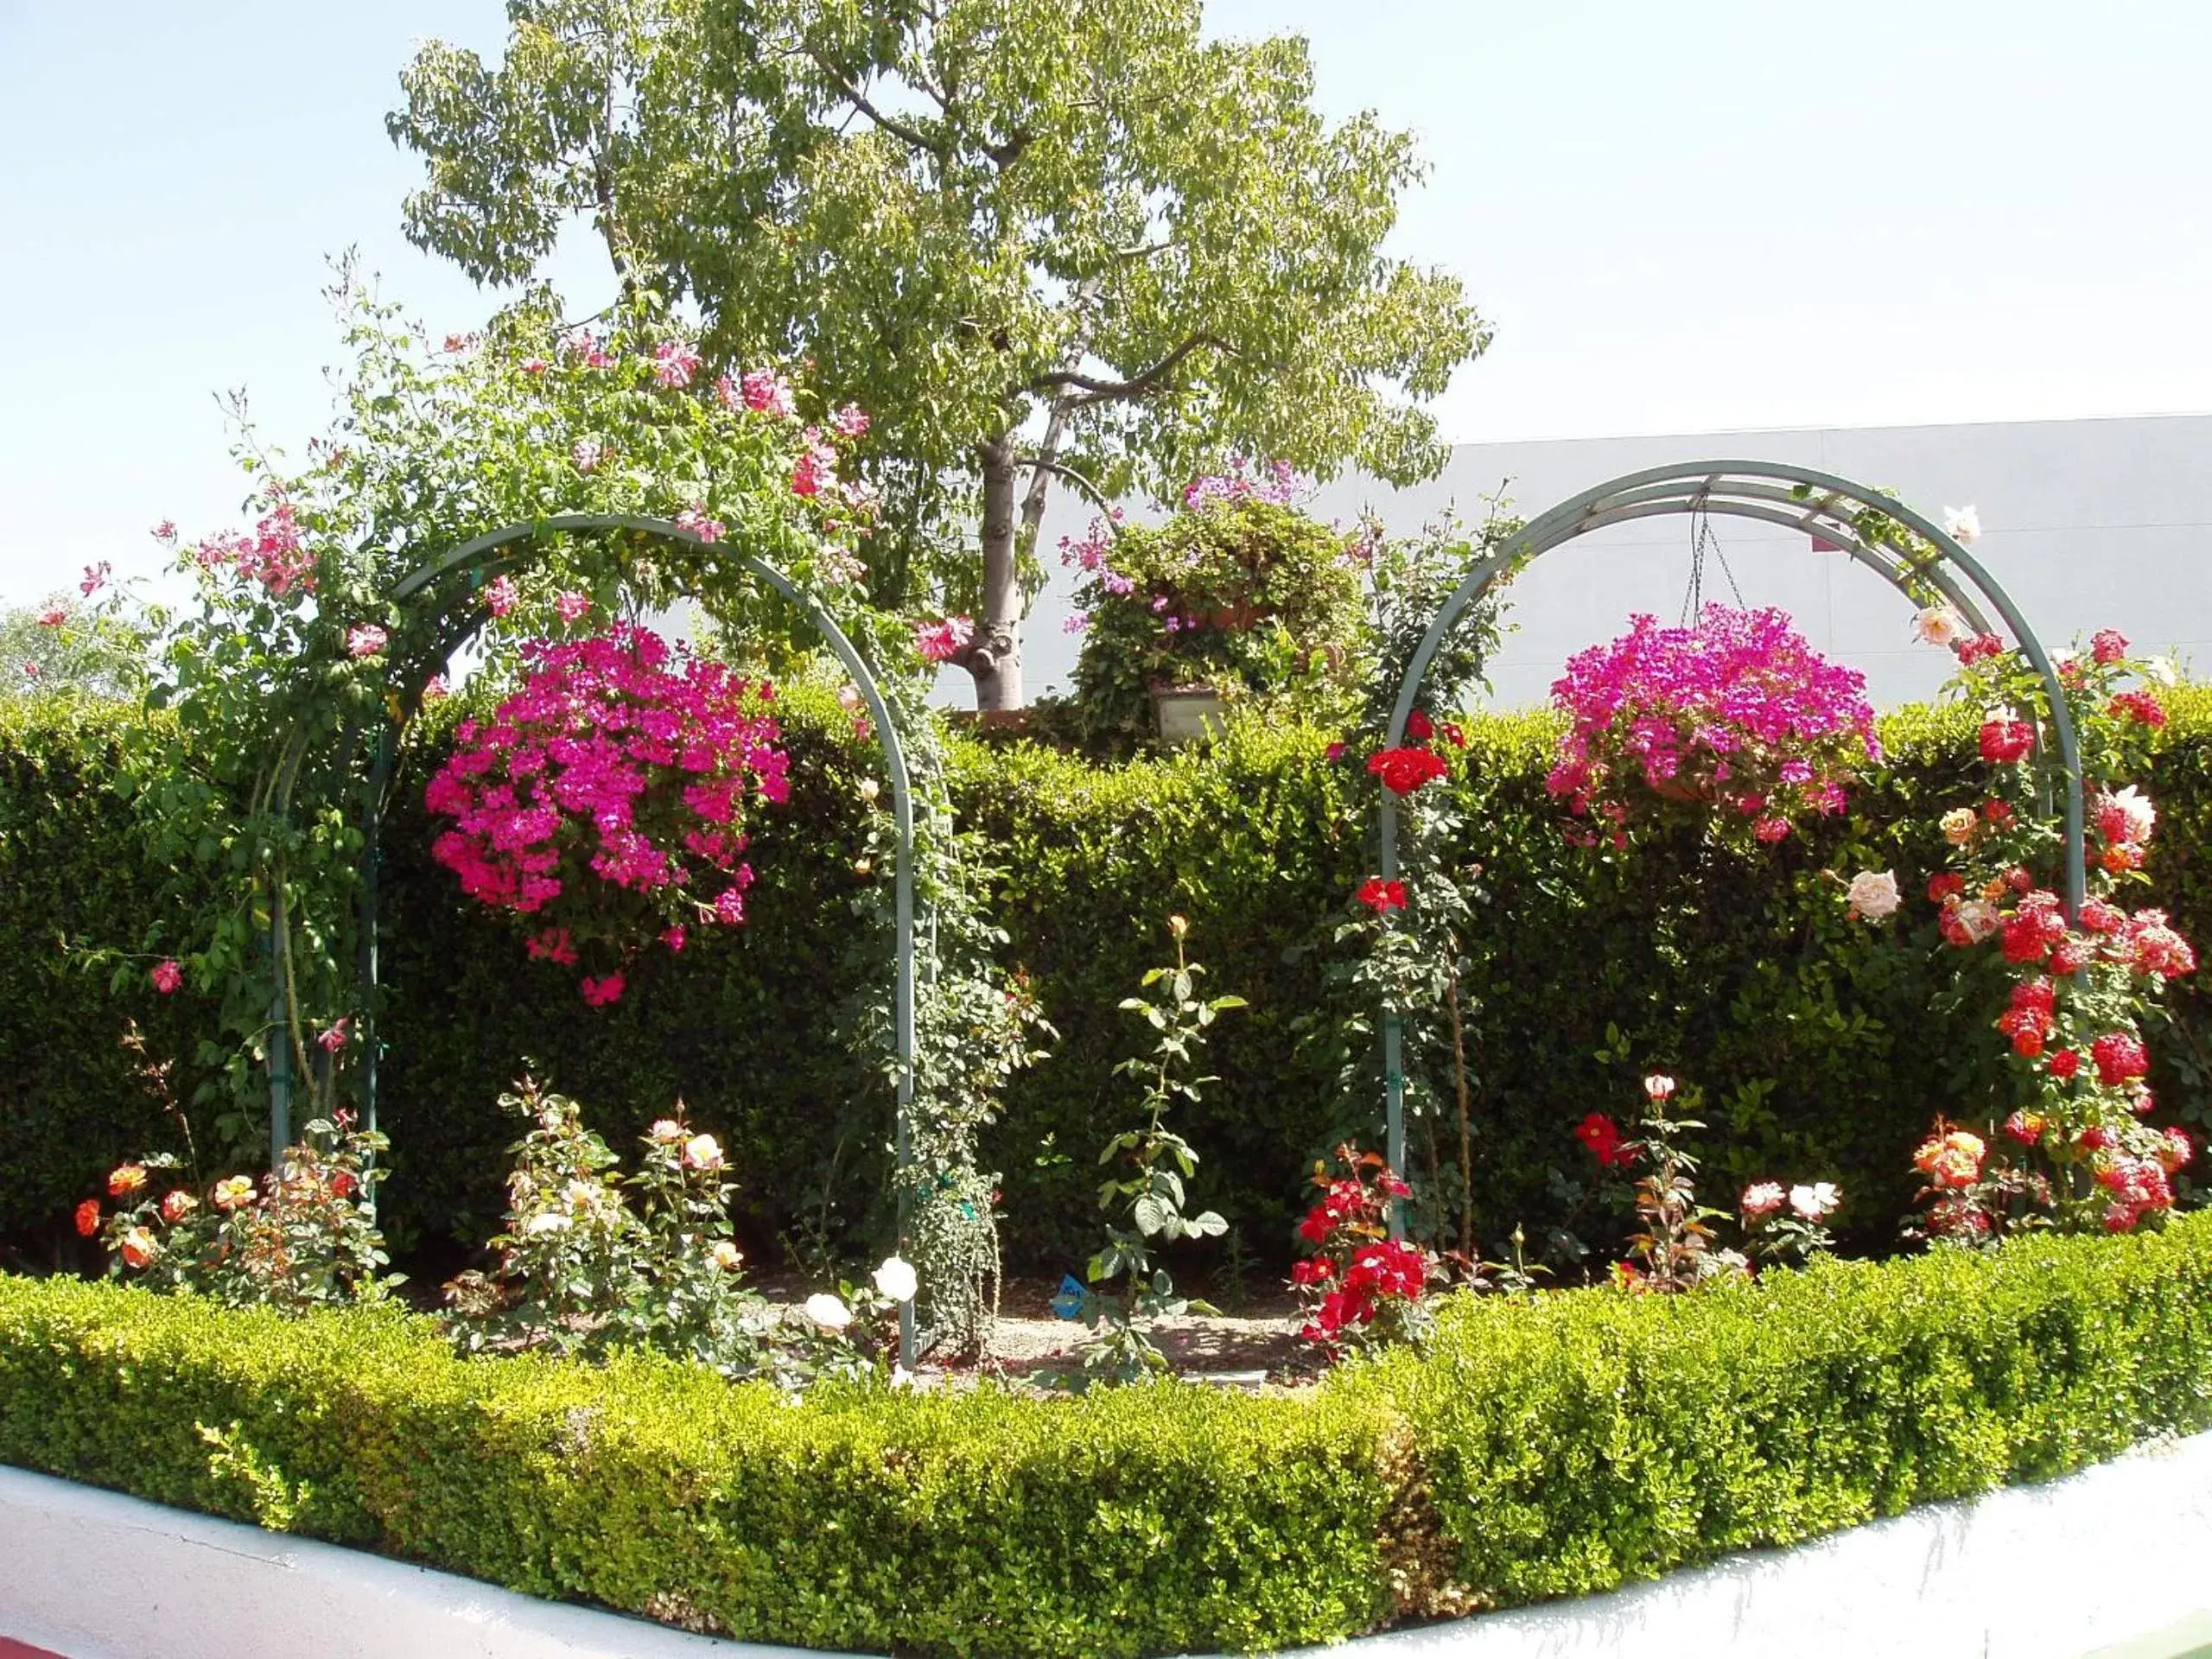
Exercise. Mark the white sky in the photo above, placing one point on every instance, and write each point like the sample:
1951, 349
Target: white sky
1702, 215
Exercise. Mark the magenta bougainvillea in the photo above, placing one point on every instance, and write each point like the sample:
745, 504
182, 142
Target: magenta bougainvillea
606, 798
1737, 712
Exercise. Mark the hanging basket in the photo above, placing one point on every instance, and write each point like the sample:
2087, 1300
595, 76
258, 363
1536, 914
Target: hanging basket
1734, 713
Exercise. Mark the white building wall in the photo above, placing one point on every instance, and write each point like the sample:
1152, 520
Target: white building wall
2088, 523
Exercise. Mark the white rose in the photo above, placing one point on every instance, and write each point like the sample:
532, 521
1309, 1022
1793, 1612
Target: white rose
666, 1128
1978, 920
546, 1221
1962, 525
725, 1255
827, 1311
2160, 671
1874, 894
895, 1279
701, 1152
1659, 1086
1959, 826
1815, 1201
2142, 816
1938, 625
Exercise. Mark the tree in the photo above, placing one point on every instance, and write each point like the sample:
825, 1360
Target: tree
1039, 241
64, 645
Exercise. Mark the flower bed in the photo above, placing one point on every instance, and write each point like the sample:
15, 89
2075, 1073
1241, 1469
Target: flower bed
1553, 1447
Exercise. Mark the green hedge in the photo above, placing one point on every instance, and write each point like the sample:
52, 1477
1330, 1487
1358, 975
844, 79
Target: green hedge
1817, 1046
1583, 1440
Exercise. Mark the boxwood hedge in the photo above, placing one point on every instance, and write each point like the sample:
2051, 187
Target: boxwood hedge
1819, 1048
1540, 1448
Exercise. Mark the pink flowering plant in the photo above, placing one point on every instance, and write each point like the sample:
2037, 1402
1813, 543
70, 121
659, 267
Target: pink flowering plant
604, 800
298, 657
1238, 591
1735, 714
2078, 1148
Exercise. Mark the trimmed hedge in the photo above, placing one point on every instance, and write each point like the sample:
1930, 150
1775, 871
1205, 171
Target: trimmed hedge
1819, 1048
1583, 1440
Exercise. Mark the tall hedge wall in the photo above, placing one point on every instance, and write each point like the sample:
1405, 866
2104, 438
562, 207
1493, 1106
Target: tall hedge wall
1818, 1047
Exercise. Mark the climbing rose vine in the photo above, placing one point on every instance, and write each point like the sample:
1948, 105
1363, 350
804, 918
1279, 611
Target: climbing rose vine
1736, 711
606, 796
2078, 1151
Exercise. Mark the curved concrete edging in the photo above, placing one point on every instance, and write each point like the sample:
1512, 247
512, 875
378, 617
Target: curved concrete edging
2110, 1559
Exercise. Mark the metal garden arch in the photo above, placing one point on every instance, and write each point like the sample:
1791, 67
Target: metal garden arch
448, 593
1834, 510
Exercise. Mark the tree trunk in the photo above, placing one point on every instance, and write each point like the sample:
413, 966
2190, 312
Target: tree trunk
994, 656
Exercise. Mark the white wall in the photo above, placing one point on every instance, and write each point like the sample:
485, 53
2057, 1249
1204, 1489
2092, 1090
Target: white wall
2088, 523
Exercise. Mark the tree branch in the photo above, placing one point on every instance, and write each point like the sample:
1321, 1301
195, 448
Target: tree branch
1081, 483
1108, 391
912, 136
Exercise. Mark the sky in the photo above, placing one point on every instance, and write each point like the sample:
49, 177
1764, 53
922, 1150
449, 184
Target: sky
1707, 215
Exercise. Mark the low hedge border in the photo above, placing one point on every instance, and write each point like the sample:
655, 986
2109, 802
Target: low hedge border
1570, 1445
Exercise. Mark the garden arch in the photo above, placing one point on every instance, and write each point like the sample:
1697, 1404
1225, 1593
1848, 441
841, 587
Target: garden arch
448, 594
1866, 524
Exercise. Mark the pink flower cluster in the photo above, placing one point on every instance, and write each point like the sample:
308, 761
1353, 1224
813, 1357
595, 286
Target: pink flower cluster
272, 555
1276, 482
1737, 709
942, 640
610, 762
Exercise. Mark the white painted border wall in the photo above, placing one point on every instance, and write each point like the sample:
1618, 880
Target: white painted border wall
2105, 1560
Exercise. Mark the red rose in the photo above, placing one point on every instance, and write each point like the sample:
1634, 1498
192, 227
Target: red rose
2139, 705
2119, 1057
1949, 885
1403, 771
2004, 741
88, 1217
2065, 1063
1383, 897
1418, 728
2107, 645
1603, 1136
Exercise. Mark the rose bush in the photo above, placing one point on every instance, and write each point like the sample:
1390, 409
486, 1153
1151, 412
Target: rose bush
303, 1235
2077, 1153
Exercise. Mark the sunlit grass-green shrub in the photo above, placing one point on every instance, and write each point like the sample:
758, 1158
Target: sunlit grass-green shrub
1557, 1446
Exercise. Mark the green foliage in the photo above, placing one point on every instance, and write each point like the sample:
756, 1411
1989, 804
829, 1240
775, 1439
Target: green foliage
1140, 1521
1263, 598
75, 880
1578, 1442
1538, 1446
1024, 235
